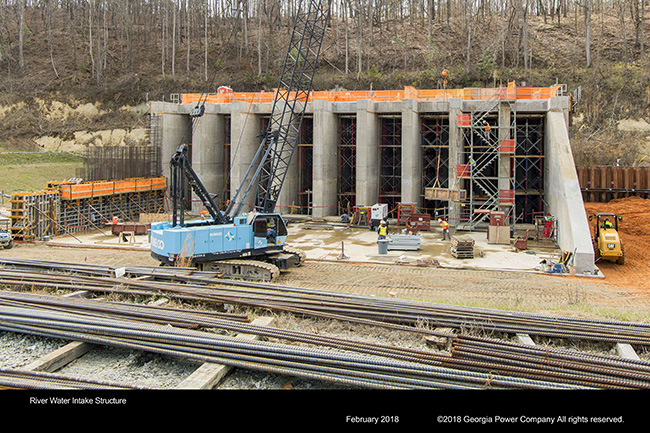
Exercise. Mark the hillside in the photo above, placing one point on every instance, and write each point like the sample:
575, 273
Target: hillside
84, 74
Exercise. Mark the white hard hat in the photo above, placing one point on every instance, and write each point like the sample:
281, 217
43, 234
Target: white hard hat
383, 222
439, 220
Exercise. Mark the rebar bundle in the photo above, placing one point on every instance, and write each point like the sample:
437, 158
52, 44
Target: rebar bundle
380, 370
188, 283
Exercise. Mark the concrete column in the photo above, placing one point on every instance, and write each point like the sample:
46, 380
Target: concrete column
563, 195
245, 129
367, 182
411, 153
455, 153
505, 159
176, 130
325, 160
208, 151
289, 192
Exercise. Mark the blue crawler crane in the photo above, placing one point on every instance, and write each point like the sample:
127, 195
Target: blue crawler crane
249, 245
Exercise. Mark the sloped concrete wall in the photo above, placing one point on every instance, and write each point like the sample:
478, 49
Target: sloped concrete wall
562, 193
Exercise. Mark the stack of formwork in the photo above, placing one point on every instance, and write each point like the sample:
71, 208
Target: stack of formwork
34, 214
462, 247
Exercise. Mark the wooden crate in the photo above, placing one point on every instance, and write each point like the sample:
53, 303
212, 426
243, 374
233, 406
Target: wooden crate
444, 194
462, 247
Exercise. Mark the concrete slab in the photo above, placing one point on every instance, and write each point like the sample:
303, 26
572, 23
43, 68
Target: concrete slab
360, 245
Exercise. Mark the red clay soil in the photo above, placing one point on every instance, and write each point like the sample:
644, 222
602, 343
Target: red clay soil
635, 235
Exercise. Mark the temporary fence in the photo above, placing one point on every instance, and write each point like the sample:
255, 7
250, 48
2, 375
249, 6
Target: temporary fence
604, 183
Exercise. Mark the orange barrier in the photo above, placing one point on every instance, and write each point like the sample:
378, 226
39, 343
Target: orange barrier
507, 146
511, 92
76, 191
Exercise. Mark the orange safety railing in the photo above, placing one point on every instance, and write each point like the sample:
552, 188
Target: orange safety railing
77, 191
511, 92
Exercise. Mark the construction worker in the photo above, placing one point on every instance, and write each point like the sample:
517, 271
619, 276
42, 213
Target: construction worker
382, 230
486, 129
607, 224
445, 228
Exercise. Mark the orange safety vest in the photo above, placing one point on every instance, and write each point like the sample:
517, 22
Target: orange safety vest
444, 225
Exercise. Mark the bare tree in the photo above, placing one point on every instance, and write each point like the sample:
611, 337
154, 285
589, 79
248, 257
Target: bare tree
20, 11
587, 10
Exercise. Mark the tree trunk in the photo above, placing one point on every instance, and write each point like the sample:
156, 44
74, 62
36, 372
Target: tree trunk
174, 42
21, 23
205, 40
588, 6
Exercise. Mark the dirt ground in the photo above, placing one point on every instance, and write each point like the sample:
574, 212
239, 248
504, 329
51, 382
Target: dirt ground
510, 290
634, 231
623, 294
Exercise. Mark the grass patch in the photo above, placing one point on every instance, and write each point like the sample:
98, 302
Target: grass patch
32, 171
30, 158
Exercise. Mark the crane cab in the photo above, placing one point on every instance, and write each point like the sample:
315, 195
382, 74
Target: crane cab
252, 235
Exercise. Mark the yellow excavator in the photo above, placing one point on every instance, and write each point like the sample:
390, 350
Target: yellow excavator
607, 242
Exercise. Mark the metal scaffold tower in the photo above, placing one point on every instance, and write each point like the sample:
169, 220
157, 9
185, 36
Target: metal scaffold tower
305, 168
347, 158
489, 143
529, 169
435, 158
390, 161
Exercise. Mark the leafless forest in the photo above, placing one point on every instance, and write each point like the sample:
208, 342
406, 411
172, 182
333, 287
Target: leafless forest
125, 51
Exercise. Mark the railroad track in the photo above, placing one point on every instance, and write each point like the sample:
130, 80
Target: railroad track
468, 362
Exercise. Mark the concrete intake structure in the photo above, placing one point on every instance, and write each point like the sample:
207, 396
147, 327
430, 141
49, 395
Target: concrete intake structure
504, 149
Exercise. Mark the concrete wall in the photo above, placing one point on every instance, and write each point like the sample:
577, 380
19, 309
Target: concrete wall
563, 194
561, 183
245, 129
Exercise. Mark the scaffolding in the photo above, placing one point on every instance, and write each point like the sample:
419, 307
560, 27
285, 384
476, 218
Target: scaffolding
390, 161
529, 169
306, 167
489, 143
225, 195
75, 206
34, 214
435, 161
347, 159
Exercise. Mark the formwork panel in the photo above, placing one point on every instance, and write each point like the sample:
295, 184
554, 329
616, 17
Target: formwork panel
37, 215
